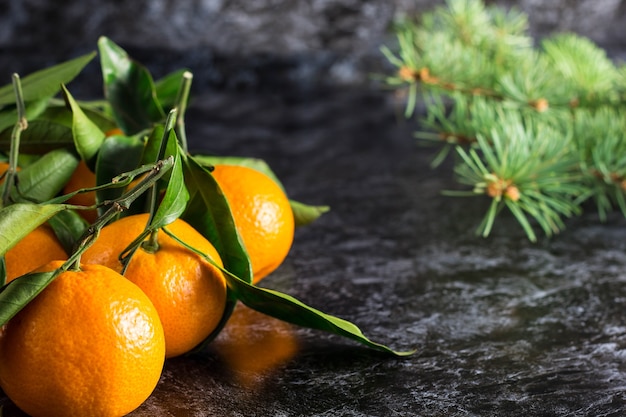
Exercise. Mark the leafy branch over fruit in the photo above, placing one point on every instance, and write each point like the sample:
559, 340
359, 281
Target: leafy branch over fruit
540, 131
144, 167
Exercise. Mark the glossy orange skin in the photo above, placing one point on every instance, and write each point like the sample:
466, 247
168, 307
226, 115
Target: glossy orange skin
82, 177
34, 250
189, 293
262, 215
4, 166
90, 344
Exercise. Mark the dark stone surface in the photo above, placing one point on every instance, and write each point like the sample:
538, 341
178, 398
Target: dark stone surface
502, 327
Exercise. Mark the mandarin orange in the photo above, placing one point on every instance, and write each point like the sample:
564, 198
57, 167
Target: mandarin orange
187, 290
34, 250
90, 344
82, 177
262, 214
37, 248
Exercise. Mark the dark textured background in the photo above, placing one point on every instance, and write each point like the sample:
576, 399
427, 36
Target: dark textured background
234, 42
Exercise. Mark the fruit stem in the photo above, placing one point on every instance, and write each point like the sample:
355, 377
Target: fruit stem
181, 106
20, 126
152, 244
117, 206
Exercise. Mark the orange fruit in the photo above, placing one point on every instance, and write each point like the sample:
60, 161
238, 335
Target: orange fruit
4, 166
114, 131
90, 344
82, 177
262, 215
37, 248
34, 250
188, 292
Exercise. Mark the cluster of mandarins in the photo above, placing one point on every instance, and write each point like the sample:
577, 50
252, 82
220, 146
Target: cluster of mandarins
53, 363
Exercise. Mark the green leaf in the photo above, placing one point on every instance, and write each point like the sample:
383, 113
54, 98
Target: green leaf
254, 163
69, 227
167, 88
47, 82
118, 154
175, 199
19, 219
287, 308
87, 136
45, 177
62, 115
41, 136
209, 213
3, 273
153, 145
306, 214
8, 115
129, 88
19, 292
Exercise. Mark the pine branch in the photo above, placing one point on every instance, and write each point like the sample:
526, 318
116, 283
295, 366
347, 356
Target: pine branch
538, 130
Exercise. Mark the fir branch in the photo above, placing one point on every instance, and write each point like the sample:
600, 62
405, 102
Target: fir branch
586, 69
601, 144
538, 130
525, 170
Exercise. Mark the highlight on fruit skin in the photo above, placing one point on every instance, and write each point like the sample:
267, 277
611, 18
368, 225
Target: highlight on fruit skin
34, 250
90, 344
187, 290
262, 214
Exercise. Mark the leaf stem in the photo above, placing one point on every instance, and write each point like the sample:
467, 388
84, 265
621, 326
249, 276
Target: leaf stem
20, 126
152, 245
116, 207
181, 106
